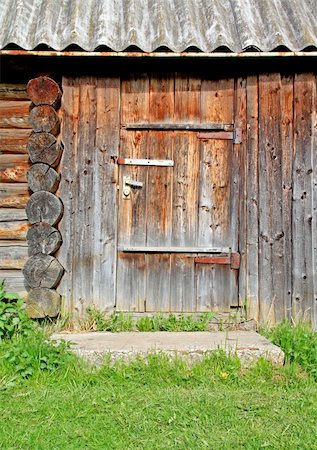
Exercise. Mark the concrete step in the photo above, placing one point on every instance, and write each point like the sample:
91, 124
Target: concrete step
249, 346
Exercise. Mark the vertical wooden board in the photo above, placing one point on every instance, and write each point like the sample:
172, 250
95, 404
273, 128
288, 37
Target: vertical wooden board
314, 202
252, 174
105, 192
303, 303
215, 203
239, 184
287, 102
83, 263
183, 295
131, 273
66, 190
271, 286
131, 286
159, 193
185, 192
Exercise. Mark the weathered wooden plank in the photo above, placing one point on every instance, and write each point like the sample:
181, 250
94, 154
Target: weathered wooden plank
14, 195
303, 303
14, 281
216, 286
159, 194
67, 192
13, 140
83, 250
13, 254
14, 230
185, 192
131, 273
105, 187
287, 133
13, 92
11, 215
314, 203
14, 114
271, 233
240, 182
252, 207
13, 168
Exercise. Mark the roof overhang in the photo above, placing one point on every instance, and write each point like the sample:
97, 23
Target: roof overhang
215, 55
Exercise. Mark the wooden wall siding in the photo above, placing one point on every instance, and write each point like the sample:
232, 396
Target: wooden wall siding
304, 198
273, 171
90, 133
14, 193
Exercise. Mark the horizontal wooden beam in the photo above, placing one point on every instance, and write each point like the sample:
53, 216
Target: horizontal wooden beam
142, 249
13, 92
14, 230
12, 215
14, 114
13, 140
164, 126
14, 195
13, 168
13, 254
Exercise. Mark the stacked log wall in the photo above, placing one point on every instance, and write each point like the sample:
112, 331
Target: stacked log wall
14, 192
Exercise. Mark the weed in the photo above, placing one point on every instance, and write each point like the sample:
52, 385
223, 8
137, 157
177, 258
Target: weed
97, 321
173, 323
299, 343
13, 319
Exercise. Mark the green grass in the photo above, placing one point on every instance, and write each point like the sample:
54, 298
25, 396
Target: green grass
159, 405
96, 320
49, 399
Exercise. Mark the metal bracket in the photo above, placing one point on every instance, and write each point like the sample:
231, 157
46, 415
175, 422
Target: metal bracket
237, 136
233, 259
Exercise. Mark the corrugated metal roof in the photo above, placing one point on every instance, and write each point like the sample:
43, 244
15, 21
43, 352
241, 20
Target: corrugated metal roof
151, 24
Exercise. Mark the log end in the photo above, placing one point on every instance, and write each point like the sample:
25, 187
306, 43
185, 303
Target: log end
42, 302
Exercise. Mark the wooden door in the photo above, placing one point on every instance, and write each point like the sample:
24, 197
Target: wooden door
177, 205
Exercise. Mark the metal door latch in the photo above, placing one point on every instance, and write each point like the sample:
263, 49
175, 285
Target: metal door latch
128, 184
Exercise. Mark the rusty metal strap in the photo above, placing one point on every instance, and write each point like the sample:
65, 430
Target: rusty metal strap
233, 259
166, 126
234, 135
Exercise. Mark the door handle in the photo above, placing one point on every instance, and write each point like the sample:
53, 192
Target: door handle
127, 184
133, 183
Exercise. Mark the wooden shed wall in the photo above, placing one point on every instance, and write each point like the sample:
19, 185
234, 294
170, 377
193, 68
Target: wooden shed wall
14, 193
278, 192
277, 114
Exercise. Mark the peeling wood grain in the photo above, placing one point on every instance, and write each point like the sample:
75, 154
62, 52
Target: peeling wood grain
14, 195
13, 230
13, 140
13, 168
10, 215
14, 281
303, 302
13, 92
14, 114
13, 254
252, 203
